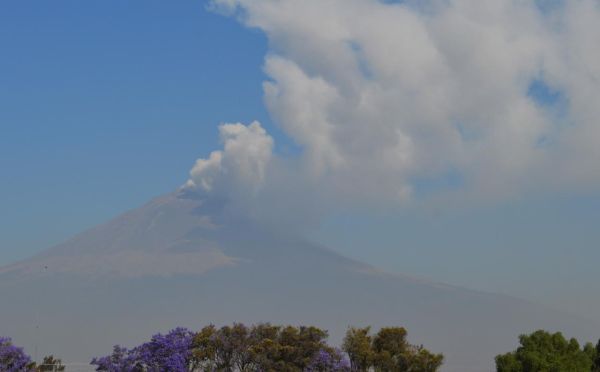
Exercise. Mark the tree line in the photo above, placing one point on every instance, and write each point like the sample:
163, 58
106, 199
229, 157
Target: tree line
268, 348
272, 348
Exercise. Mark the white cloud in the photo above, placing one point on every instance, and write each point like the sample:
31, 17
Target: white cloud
383, 98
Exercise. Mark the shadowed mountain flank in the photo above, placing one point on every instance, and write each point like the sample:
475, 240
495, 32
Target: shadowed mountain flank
179, 261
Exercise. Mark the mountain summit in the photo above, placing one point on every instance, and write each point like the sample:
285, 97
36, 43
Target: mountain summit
179, 261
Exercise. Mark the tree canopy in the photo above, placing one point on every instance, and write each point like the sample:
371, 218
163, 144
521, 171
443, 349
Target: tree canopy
14, 359
271, 348
388, 350
542, 351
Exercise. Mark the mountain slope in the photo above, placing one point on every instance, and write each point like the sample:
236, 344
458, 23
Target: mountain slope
179, 261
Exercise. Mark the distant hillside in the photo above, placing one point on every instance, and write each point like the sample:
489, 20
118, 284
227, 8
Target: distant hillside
177, 261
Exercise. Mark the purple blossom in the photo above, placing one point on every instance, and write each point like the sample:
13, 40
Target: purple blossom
170, 352
13, 358
119, 360
328, 361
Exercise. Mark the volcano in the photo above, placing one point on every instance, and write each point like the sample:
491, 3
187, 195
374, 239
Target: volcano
179, 261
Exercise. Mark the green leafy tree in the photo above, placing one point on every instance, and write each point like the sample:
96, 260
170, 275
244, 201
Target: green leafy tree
262, 347
204, 349
546, 352
288, 348
387, 351
422, 360
357, 344
300, 344
389, 347
596, 358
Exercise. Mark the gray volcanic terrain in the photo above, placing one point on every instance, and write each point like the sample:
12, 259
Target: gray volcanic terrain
177, 261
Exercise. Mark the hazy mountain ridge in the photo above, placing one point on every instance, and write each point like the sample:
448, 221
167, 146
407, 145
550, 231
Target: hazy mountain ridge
150, 240
176, 261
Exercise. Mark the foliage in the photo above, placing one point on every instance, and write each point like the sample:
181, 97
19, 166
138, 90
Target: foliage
49, 364
596, 358
270, 348
388, 350
119, 360
328, 360
542, 351
170, 352
222, 349
262, 347
357, 344
13, 358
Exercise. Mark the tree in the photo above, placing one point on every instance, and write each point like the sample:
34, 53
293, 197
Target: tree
388, 350
273, 348
422, 360
13, 358
119, 360
224, 346
392, 352
328, 360
261, 347
264, 347
230, 348
170, 352
203, 349
298, 346
542, 351
357, 344
596, 359
242, 358
268, 348
49, 364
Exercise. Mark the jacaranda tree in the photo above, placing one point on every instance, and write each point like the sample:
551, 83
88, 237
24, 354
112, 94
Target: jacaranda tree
170, 352
328, 360
13, 358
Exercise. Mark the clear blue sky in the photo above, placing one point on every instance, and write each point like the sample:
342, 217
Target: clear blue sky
105, 104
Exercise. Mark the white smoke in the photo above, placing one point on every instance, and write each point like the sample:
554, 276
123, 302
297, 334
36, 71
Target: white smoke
240, 167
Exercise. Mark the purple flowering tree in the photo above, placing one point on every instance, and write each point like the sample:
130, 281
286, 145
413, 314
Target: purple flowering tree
328, 360
170, 352
13, 358
119, 360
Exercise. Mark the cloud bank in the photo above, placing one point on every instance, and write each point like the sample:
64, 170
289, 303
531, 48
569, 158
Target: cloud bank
395, 102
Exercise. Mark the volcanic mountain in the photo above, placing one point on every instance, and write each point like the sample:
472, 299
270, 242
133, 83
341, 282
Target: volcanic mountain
177, 261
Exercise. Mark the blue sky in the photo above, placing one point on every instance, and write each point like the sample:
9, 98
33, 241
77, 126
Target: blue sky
104, 105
